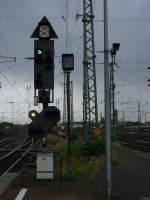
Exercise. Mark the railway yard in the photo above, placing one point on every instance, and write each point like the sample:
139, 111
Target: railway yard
18, 169
75, 100
136, 137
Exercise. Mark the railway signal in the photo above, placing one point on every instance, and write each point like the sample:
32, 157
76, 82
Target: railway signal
115, 48
43, 121
68, 62
44, 61
43, 79
44, 64
68, 67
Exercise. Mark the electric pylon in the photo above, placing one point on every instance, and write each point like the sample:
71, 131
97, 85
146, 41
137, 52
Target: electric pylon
90, 110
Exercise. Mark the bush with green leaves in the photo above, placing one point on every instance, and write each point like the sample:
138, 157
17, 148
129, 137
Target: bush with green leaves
86, 155
76, 133
90, 147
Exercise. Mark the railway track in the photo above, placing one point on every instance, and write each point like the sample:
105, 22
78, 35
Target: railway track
11, 145
26, 148
10, 140
12, 158
136, 141
135, 146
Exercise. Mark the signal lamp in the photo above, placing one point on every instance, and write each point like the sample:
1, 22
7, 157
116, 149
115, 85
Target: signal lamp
39, 52
33, 114
39, 56
48, 59
38, 81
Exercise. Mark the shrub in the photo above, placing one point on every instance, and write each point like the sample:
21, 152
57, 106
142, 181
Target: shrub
81, 150
87, 169
90, 147
76, 133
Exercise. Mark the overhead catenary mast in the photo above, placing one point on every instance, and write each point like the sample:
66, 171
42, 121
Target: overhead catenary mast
90, 110
65, 76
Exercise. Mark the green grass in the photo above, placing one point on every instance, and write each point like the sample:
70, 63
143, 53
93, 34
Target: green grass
86, 168
87, 156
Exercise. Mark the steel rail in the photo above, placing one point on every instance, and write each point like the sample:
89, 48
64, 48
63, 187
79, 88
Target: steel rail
20, 158
10, 140
135, 146
14, 150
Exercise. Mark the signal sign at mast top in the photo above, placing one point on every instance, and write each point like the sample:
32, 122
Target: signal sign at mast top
44, 30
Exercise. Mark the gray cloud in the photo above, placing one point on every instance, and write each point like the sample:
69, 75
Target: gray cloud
133, 34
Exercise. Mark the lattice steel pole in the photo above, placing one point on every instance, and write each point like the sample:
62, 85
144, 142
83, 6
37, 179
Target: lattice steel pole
90, 111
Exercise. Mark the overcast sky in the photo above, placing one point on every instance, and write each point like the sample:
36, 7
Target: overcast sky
128, 24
